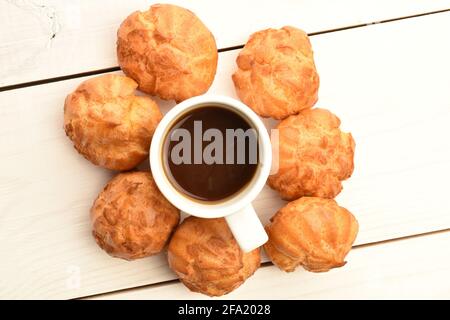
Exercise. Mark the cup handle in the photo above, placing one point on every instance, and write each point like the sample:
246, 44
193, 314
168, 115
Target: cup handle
247, 229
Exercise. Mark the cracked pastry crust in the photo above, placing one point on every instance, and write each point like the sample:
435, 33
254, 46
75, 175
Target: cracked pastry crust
108, 124
312, 232
276, 73
314, 156
131, 219
207, 259
168, 51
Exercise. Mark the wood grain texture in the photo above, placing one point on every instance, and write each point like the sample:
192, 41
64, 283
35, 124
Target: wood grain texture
408, 269
42, 39
388, 83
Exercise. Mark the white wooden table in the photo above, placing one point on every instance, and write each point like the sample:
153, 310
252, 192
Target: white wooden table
385, 71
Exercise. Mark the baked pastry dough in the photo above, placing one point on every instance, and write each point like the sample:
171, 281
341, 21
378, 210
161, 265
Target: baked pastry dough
108, 124
314, 155
131, 219
168, 51
313, 232
276, 74
207, 258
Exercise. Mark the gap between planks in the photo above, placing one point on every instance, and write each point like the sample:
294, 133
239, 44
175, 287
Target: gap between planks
267, 263
117, 68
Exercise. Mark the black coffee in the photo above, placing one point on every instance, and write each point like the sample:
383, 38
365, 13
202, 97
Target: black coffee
210, 153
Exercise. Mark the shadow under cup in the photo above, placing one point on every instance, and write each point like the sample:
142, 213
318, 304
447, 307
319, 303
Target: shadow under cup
210, 153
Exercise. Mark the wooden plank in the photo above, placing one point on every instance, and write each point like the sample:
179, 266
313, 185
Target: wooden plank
399, 188
397, 108
415, 268
42, 39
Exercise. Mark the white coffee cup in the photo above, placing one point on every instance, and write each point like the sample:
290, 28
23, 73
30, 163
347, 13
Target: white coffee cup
237, 209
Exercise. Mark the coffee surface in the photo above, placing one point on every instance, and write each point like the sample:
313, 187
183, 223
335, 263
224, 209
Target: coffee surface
204, 168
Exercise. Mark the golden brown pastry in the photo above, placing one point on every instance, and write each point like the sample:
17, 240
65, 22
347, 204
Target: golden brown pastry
313, 232
314, 156
131, 219
207, 258
108, 124
276, 74
168, 51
